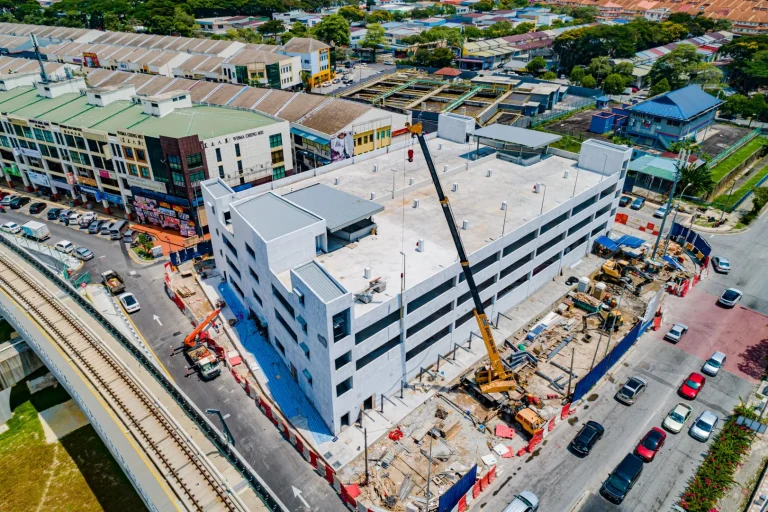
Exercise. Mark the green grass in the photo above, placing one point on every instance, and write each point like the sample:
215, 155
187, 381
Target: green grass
728, 200
77, 473
719, 171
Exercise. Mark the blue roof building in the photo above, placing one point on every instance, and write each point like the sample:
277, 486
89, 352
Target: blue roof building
671, 117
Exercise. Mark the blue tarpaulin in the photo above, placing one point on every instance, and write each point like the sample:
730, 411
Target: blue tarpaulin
607, 243
630, 241
451, 497
535, 332
672, 261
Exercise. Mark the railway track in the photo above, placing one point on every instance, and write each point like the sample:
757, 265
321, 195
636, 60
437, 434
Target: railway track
196, 484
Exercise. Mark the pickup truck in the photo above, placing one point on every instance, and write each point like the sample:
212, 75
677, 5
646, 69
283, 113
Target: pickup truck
205, 362
113, 281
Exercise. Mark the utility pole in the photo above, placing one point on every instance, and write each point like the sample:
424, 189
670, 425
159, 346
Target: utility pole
365, 442
429, 470
570, 375
682, 157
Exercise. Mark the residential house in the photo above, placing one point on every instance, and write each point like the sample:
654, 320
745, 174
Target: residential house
315, 57
265, 68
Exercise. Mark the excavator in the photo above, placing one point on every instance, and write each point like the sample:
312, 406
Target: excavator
495, 378
197, 351
616, 271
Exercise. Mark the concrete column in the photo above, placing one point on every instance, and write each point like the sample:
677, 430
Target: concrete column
105, 204
27, 185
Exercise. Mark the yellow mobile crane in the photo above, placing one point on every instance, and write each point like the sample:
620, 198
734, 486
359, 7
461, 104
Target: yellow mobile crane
496, 378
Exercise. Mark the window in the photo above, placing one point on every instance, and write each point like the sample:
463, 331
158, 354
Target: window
133, 170
421, 347
504, 291
547, 245
237, 288
275, 141
178, 179
343, 387
305, 349
196, 176
277, 156
285, 325
465, 318
307, 375
428, 296
240, 166
280, 346
128, 151
554, 222
232, 266
256, 296
229, 245
250, 252
218, 154
221, 171
254, 275
278, 172
519, 243
376, 353
418, 326
516, 265
237, 150
144, 172
281, 299
343, 360
174, 162
377, 326
194, 160
340, 323
573, 229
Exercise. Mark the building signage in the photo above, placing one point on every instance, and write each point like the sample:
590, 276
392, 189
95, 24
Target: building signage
87, 181
38, 179
123, 66
91, 60
236, 138
20, 122
61, 185
68, 130
134, 181
105, 174
13, 170
150, 211
92, 191
32, 153
71, 178
112, 198
137, 191
39, 124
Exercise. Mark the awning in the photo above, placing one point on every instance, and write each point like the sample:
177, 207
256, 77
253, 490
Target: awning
309, 136
672, 261
607, 243
630, 241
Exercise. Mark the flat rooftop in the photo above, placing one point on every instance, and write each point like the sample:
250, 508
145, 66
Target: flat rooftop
400, 226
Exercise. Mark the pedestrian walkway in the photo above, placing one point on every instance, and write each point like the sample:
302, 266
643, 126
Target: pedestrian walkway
71, 262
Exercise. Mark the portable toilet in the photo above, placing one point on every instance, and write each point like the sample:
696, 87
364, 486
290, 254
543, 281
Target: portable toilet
599, 291
583, 286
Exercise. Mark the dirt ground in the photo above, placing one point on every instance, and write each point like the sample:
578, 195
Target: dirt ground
577, 126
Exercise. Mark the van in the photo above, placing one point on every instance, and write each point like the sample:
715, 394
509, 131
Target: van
65, 246
117, 229
106, 228
622, 479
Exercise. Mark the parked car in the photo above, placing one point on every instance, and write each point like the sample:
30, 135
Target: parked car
95, 226
36, 208
631, 390
730, 297
691, 386
86, 219
348, 80
18, 202
624, 201
660, 212
11, 227
83, 253
64, 246
325, 84
129, 302
589, 434
336, 80
675, 420
622, 479
6, 201
526, 501
64, 215
53, 213
638, 203
74, 217
721, 265
650, 445
703, 426
713, 364
676, 332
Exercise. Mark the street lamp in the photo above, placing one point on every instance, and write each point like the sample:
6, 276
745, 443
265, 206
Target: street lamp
227, 433
542, 198
674, 218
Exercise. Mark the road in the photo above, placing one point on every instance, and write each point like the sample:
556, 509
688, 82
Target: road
273, 458
565, 482
358, 74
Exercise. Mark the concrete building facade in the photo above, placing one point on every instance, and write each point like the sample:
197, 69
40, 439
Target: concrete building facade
301, 259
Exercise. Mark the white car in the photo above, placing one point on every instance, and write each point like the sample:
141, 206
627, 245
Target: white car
526, 501
660, 212
336, 80
675, 420
675, 334
713, 364
730, 297
721, 265
129, 302
703, 426
64, 246
325, 84
11, 227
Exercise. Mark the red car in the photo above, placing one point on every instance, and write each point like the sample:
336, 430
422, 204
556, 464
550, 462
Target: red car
692, 385
650, 445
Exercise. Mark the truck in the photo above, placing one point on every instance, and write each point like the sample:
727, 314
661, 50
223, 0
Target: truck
36, 231
205, 361
113, 281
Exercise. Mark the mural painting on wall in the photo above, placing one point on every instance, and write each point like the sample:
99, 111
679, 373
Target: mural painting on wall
342, 146
163, 214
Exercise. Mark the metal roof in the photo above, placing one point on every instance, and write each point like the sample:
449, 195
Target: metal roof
681, 104
321, 283
272, 216
339, 209
513, 135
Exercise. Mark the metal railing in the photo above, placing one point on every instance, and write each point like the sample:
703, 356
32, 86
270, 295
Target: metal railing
736, 145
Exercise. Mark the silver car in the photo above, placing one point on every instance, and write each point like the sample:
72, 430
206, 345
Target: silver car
721, 264
713, 364
526, 501
675, 334
703, 426
630, 391
730, 297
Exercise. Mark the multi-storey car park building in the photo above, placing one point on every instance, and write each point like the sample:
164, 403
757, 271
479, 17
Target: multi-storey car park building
320, 265
146, 154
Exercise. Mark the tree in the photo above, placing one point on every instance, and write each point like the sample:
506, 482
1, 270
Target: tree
589, 82
306, 79
333, 28
678, 67
379, 17
273, 27
441, 57
299, 30
351, 13
374, 38
549, 75
473, 33
483, 6
734, 105
707, 74
614, 84
659, 87
577, 75
599, 67
536, 64
755, 108
697, 178
523, 28
624, 68
399, 16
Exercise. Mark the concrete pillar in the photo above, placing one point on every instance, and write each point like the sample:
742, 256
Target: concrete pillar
105, 204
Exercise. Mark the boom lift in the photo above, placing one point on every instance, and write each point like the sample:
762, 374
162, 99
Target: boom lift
496, 378
205, 361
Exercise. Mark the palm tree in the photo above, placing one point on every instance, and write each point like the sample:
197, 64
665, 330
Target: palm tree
306, 78
698, 179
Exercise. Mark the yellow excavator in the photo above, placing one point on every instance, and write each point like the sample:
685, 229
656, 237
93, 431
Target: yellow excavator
496, 378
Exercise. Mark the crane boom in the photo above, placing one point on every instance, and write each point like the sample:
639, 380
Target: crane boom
189, 341
498, 378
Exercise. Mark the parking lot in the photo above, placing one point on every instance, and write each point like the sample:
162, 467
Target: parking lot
360, 72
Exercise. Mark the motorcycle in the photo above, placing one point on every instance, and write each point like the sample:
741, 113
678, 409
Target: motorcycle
2, 209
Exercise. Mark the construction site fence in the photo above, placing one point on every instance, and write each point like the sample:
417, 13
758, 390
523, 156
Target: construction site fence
559, 110
188, 253
679, 231
603, 367
195, 414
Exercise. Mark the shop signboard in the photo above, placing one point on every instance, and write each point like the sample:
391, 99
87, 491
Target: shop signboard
92, 191
61, 185
91, 60
155, 186
105, 174
112, 198
71, 178
38, 179
33, 153
13, 170
87, 181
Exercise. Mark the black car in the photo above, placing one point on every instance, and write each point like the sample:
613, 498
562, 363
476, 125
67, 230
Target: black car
37, 207
589, 434
622, 479
53, 213
624, 201
18, 202
95, 227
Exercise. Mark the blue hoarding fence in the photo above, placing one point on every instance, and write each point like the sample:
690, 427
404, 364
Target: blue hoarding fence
451, 497
201, 249
679, 231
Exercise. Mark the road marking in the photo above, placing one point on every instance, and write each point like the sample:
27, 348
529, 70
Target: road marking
297, 494
157, 319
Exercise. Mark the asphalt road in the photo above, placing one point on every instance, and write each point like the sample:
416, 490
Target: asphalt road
565, 482
163, 325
